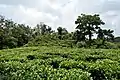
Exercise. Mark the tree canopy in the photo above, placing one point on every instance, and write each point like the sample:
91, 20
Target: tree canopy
15, 35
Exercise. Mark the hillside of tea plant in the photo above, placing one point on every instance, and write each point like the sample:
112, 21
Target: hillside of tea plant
58, 63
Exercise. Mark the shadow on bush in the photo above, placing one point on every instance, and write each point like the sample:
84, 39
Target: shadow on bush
31, 57
98, 74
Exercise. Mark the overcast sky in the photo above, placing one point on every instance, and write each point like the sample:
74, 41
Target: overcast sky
63, 13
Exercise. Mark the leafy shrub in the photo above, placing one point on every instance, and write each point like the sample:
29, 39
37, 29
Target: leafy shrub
94, 58
110, 45
81, 44
53, 63
107, 45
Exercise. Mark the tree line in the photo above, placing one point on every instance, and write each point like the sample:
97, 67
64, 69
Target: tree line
15, 35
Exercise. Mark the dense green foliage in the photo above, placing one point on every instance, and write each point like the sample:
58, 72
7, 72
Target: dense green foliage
58, 63
88, 25
14, 35
46, 54
51, 40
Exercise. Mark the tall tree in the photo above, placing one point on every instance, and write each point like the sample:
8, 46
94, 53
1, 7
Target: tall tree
88, 24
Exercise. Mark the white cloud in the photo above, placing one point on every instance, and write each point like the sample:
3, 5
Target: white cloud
61, 12
30, 16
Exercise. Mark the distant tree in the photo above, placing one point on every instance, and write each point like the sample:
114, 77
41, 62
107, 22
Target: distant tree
78, 36
117, 39
12, 34
108, 34
22, 33
100, 34
49, 29
42, 29
59, 29
64, 31
5, 32
37, 30
65, 34
105, 35
87, 24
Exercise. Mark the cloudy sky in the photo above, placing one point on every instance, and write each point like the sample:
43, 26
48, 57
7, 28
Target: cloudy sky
61, 12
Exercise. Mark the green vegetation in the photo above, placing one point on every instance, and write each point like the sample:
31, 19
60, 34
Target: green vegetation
58, 63
14, 35
41, 53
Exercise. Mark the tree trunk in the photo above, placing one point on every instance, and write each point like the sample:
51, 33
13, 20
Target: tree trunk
90, 34
90, 38
103, 42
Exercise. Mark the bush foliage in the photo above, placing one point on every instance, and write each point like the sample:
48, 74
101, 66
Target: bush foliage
48, 63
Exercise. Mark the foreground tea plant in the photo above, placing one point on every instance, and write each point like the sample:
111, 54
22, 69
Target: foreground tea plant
57, 63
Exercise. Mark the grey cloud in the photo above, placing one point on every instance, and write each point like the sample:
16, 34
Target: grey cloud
18, 2
111, 5
63, 12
